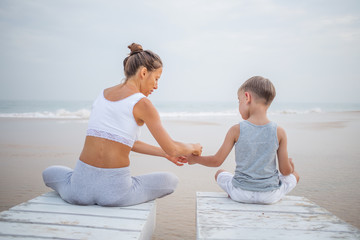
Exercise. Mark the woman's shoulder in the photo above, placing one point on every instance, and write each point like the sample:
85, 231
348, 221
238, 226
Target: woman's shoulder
143, 101
144, 106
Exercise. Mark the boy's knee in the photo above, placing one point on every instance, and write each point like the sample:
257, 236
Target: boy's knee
218, 172
296, 176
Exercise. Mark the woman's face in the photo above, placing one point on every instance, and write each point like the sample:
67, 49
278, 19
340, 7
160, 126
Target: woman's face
150, 82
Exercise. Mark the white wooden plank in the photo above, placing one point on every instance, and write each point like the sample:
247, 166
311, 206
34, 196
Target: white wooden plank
219, 217
225, 195
18, 238
82, 210
73, 220
266, 234
7, 237
211, 194
282, 206
51, 194
48, 200
55, 199
150, 224
64, 232
49, 217
308, 222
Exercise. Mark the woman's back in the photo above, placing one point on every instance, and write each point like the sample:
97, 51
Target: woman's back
112, 128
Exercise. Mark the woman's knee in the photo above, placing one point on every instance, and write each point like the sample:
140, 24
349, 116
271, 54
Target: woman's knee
172, 180
56, 174
149, 187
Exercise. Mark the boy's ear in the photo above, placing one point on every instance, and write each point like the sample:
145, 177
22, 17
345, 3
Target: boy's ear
248, 97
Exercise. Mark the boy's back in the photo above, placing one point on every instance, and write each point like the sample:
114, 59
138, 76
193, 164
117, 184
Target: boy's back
255, 156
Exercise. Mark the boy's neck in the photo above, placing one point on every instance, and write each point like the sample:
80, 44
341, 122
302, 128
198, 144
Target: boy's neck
258, 115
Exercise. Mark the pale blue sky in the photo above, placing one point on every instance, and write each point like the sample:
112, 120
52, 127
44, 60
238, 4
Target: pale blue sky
58, 50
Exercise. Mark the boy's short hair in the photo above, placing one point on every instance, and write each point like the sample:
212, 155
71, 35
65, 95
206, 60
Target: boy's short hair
261, 86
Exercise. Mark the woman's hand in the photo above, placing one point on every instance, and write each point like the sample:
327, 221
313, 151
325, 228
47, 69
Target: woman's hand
179, 161
197, 149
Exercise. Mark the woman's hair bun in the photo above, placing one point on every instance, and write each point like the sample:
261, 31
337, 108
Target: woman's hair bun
135, 48
140, 58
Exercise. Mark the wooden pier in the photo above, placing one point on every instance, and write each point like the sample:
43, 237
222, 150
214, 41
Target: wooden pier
49, 217
219, 217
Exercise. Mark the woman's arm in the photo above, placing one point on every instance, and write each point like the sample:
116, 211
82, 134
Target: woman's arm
285, 165
145, 111
144, 148
218, 159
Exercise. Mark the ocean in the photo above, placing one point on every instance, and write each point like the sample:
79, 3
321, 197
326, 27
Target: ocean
168, 109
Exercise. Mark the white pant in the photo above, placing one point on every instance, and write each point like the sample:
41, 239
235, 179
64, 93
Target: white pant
288, 183
88, 185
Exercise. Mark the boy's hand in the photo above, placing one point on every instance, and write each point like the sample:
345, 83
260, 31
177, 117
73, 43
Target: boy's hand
191, 159
292, 164
179, 161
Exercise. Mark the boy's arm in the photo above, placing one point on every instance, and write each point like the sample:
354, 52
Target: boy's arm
217, 159
285, 165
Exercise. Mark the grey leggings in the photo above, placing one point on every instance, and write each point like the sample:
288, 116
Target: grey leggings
88, 185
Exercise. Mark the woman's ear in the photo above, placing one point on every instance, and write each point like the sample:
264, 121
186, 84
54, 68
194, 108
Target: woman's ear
143, 72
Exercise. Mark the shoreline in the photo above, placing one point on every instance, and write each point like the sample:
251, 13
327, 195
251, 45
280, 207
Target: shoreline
324, 147
182, 116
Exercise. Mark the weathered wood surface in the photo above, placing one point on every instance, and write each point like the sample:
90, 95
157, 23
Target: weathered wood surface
219, 217
49, 217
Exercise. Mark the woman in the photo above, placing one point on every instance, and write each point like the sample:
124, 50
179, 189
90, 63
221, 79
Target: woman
102, 174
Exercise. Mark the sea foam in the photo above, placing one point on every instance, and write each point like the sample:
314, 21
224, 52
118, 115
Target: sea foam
85, 114
59, 114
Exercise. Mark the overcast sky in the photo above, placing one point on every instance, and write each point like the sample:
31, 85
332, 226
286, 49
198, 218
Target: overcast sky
71, 49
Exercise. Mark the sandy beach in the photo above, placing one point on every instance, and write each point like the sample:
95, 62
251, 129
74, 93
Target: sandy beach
324, 146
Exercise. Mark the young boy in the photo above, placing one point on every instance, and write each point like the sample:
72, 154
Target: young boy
257, 142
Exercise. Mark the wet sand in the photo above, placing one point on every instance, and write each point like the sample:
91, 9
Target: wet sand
324, 146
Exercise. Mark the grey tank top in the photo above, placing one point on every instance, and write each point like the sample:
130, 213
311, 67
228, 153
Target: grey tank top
255, 156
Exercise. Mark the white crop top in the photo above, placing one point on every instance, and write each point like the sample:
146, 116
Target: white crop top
114, 120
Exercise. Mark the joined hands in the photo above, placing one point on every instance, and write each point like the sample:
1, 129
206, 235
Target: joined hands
181, 160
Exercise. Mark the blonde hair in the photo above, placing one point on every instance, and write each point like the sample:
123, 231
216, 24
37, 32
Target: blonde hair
261, 86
